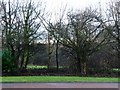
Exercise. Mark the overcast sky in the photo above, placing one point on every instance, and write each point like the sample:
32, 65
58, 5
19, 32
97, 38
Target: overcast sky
76, 4
55, 5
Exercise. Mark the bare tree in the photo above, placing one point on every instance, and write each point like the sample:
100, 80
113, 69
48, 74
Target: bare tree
50, 48
9, 24
31, 26
84, 34
112, 25
21, 27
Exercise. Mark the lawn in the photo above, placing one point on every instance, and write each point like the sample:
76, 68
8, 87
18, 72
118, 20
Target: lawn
36, 67
42, 67
55, 79
45, 67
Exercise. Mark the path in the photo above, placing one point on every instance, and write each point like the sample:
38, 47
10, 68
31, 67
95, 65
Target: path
60, 85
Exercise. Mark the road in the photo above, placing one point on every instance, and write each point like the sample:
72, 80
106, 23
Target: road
60, 85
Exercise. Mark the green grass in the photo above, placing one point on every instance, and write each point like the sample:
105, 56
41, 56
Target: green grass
55, 79
41, 67
45, 67
36, 67
116, 69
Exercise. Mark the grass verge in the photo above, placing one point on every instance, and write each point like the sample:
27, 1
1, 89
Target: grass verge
55, 79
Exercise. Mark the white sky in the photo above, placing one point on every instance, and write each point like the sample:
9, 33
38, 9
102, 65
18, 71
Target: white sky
76, 4
56, 5
53, 5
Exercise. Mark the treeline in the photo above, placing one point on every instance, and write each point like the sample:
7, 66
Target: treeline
83, 34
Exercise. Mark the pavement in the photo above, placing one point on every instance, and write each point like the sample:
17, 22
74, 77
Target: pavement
60, 85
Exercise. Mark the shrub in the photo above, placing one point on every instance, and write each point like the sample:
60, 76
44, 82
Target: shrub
7, 61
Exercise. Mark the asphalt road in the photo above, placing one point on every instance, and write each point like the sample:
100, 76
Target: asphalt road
60, 85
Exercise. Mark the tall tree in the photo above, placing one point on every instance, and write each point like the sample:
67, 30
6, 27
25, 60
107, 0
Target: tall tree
112, 24
50, 48
21, 27
84, 34
9, 24
31, 26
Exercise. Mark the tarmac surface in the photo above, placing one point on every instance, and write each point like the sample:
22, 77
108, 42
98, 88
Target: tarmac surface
60, 85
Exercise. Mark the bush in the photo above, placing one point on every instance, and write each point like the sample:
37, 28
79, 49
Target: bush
7, 62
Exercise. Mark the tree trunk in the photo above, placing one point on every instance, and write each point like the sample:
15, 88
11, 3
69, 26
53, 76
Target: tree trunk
49, 52
119, 51
13, 54
84, 68
27, 59
78, 65
57, 61
118, 47
25, 56
22, 60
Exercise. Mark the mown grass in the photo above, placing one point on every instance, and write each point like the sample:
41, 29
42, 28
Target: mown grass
56, 79
45, 67
116, 69
42, 67
36, 67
